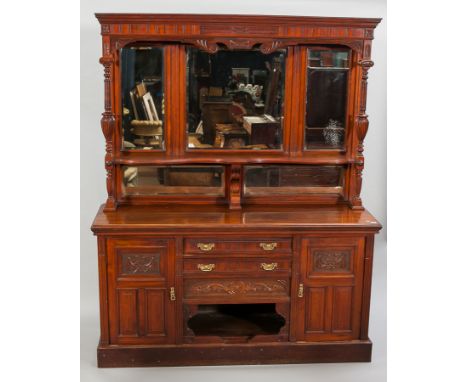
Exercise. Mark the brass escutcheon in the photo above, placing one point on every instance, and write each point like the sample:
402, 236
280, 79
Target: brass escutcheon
269, 267
268, 246
206, 267
205, 246
301, 290
172, 294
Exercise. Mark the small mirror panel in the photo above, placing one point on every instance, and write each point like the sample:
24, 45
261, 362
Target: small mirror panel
264, 180
173, 180
326, 99
142, 91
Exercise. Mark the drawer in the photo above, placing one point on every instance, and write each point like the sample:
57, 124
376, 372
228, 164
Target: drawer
259, 266
267, 246
236, 289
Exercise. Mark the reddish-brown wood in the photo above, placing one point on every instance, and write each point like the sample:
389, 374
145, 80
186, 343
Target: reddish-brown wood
331, 272
305, 257
141, 273
236, 32
326, 249
232, 354
258, 219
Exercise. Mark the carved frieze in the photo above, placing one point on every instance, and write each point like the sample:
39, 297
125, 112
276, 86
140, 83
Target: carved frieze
332, 261
235, 287
140, 264
223, 29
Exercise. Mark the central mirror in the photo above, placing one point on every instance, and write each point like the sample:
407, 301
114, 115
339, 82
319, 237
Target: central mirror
235, 99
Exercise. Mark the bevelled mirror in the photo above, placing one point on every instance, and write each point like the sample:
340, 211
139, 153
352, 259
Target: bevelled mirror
142, 92
235, 99
326, 98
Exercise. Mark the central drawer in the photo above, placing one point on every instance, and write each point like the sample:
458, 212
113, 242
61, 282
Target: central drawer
209, 266
237, 246
236, 289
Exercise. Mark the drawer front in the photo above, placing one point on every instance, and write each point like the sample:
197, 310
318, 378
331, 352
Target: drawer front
267, 246
233, 289
216, 266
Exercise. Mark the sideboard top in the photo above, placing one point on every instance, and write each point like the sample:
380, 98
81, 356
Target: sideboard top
141, 218
122, 18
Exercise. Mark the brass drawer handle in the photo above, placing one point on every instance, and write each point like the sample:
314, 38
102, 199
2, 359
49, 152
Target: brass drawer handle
206, 267
205, 246
269, 267
301, 290
268, 246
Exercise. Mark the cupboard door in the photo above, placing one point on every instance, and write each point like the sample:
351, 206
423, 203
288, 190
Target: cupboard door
330, 289
141, 274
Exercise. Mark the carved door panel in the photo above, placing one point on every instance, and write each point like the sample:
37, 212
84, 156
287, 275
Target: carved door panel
330, 288
141, 275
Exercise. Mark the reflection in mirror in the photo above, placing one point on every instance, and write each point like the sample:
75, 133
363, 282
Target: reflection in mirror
262, 180
173, 180
235, 99
142, 98
327, 84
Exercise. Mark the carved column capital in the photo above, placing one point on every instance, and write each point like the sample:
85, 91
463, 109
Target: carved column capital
366, 64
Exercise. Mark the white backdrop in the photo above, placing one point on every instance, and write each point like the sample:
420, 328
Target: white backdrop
93, 191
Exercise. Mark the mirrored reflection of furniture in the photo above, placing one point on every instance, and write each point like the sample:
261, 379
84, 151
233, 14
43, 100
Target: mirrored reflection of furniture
233, 230
142, 96
232, 92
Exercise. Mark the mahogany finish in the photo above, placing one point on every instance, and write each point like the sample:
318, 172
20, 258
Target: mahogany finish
297, 266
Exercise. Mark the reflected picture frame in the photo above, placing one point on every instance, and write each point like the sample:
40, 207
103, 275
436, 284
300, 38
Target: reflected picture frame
241, 75
150, 107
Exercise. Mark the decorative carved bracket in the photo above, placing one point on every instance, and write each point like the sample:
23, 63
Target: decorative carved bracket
272, 46
266, 46
362, 121
208, 46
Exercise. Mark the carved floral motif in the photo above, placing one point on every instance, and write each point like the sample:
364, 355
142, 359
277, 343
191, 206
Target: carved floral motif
271, 46
212, 46
238, 43
209, 46
237, 287
140, 264
332, 261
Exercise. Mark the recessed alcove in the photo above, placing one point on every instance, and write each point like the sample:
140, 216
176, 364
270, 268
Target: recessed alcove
231, 320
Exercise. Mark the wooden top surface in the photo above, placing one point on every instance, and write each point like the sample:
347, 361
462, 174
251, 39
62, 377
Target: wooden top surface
226, 18
212, 217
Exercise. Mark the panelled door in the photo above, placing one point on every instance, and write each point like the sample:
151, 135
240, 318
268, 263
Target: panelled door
141, 275
330, 288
